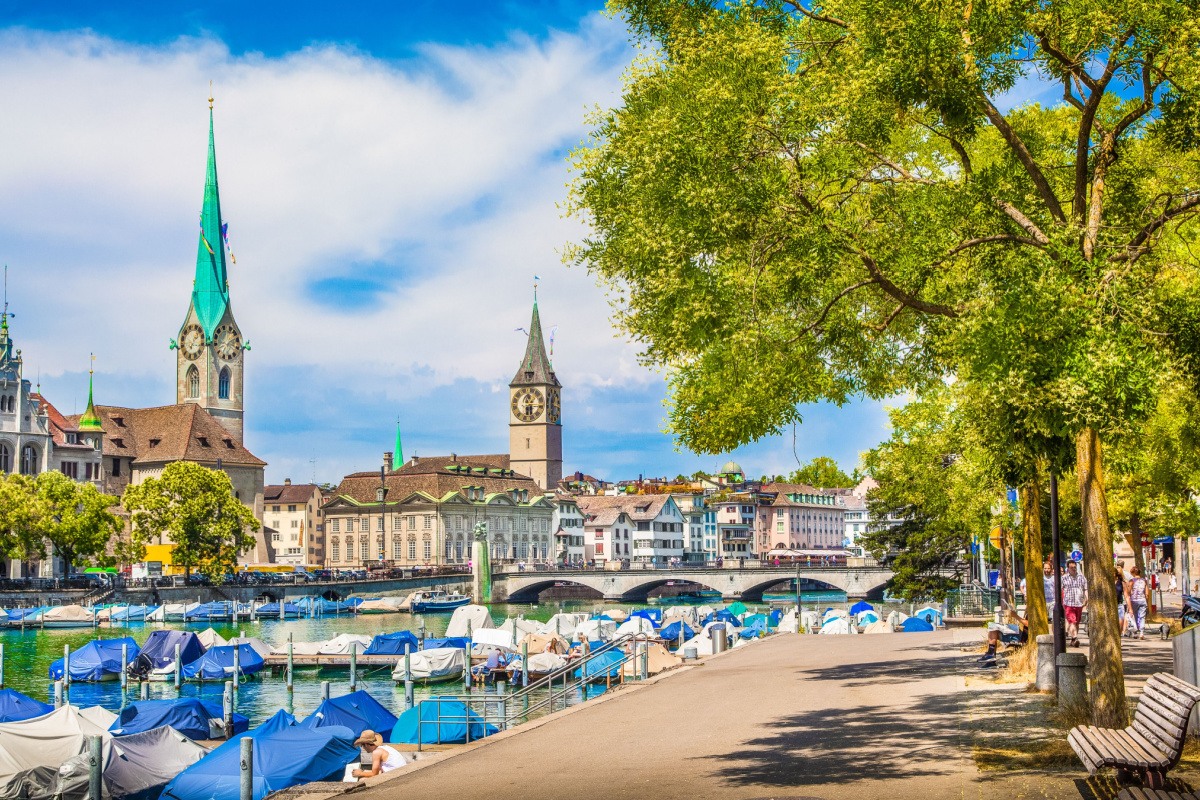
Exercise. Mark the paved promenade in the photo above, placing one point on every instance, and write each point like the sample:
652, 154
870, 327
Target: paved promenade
791, 716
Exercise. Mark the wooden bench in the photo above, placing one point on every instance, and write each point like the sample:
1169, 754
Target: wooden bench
1150, 746
1135, 793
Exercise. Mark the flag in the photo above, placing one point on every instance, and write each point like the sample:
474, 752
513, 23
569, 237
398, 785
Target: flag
522, 330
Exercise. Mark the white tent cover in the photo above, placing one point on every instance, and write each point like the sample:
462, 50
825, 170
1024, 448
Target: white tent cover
492, 637
340, 645
636, 625
68, 614
594, 629
48, 740
836, 625
479, 617
256, 644
210, 639
436, 663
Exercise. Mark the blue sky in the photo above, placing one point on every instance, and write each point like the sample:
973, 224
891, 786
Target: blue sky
390, 173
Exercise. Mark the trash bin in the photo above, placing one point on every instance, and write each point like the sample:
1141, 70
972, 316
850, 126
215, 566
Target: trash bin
717, 634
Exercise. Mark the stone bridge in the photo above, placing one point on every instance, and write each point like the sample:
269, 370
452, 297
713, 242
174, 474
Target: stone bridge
733, 584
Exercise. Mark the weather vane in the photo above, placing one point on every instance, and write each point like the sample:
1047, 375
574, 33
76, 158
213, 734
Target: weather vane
210, 97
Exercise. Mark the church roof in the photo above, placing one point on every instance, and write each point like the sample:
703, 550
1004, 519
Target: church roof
59, 425
184, 432
210, 289
89, 421
437, 477
535, 366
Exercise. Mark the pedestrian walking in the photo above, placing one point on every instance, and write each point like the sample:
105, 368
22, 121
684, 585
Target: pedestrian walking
1048, 588
1172, 584
1137, 603
1075, 600
1122, 604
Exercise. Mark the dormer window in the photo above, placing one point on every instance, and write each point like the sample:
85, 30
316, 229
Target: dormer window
203, 440
119, 421
72, 438
154, 443
119, 442
228, 442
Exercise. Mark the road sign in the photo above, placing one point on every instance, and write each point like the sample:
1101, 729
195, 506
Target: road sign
996, 536
1077, 555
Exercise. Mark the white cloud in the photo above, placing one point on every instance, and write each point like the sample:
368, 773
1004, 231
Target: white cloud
439, 174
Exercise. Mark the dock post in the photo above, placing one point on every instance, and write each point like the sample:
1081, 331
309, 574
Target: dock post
237, 665
524, 665
247, 764
95, 766
289, 667
408, 683
324, 690
503, 713
178, 667
281, 605
145, 693
67, 666
1, 665
227, 708
353, 666
421, 636
124, 668
58, 694
645, 660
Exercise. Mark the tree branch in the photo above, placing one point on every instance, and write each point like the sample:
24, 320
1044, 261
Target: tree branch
1137, 245
816, 17
901, 295
828, 307
1025, 222
1022, 153
999, 237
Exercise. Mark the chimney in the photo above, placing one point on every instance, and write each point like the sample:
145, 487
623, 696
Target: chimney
287, 481
387, 460
415, 460
454, 456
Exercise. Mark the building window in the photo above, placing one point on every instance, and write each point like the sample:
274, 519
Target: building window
412, 550
427, 549
412, 524
379, 527
223, 384
335, 549
396, 550
448, 550
382, 552
115, 471
428, 521
193, 380
274, 537
458, 550
334, 525
395, 523
29, 463
349, 549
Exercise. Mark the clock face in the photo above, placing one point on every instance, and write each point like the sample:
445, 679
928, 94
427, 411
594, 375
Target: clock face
192, 342
527, 405
555, 409
228, 342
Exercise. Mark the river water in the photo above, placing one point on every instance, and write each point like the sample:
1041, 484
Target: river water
28, 655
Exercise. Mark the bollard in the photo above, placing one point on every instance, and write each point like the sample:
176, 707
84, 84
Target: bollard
58, 694
124, 667
95, 767
324, 690
1072, 681
1045, 663
353, 666
247, 764
717, 634
237, 665
145, 694
645, 660
66, 666
178, 668
227, 709
289, 667
281, 610
408, 682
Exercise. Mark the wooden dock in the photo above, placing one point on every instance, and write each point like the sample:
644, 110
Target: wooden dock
278, 661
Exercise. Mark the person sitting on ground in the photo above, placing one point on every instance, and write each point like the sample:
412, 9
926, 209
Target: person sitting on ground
996, 632
384, 758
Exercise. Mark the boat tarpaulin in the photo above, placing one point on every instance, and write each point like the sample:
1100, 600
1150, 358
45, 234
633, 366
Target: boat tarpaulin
340, 645
544, 643
657, 660
136, 767
605, 664
217, 663
492, 637
44, 741
737, 609
438, 644
15, 706
444, 662
210, 639
357, 711
67, 615
655, 615
670, 632
545, 662
635, 625
96, 659
220, 610
268, 610
478, 617
285, 754
194, 718
392, 644
440, 721
722, 615
158, 651
916, 625
861, 605
260, 647
135, 613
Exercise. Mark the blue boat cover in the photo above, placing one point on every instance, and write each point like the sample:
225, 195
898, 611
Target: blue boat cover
132, 613
861, 605
15, 706
721, 615
607, 663
421, 724
285, 755
221, 610
774, 617
96, 659
930, 615
652, 614
16, 614
916, 624
272, 609
159, 649
392, 644
320, 605
755, 628
187, 715
454, 641
357, 711
671, 632
212, 665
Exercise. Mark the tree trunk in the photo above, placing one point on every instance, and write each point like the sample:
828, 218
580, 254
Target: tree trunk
1107, 670
1135, 541
1035, 593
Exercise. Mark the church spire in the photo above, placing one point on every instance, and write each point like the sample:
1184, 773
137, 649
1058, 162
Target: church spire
90, 421
210, 290
535, 366
398, 453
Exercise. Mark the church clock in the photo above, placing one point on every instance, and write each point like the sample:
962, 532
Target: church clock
554, 410
527, 404
228, 342
192, 342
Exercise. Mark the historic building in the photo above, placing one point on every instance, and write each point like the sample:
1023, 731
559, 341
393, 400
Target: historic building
655, 521
210, 351
293, 515
425, 512
535, 421
568, 530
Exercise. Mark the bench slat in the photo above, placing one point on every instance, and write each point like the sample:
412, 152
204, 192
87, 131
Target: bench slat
1180, 685
1085, 750
1121, 749
1168, 735
1153, 738
1163, 719
1171, 712
1151, 755
1170, 692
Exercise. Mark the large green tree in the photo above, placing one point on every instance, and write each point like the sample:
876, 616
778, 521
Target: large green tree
806, 201
193, 508
75, 520
823, 472
19, 535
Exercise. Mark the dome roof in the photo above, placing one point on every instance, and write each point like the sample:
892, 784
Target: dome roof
732, 466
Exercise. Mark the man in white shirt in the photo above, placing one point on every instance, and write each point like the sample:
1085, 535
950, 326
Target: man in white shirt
384, 758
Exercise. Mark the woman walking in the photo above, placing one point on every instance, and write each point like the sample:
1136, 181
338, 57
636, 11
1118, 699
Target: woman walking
1137, 603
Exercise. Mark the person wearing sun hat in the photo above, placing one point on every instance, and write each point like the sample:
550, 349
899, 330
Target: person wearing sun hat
384, 758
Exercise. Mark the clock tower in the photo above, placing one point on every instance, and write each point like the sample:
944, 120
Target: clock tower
210, 352
534, 423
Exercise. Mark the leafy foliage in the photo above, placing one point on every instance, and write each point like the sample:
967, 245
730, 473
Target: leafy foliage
823, 472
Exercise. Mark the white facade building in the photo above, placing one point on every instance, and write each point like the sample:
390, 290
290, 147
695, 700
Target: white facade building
656, 521
568, 527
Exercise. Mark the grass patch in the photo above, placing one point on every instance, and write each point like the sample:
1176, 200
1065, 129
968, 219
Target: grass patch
1050, 753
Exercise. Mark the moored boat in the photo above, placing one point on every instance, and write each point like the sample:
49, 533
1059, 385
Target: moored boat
437, 600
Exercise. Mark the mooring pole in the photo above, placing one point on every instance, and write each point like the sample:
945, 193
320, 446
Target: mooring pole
178, 667
324, 690
227, 707
95, 767
237, 665
408, 682
289, 667
124, 668
247, 764
145, 692
353, 666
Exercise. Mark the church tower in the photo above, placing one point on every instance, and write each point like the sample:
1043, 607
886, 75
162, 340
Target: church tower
534, 424
210, 352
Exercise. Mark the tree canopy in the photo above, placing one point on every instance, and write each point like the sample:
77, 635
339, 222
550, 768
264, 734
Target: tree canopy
824, 473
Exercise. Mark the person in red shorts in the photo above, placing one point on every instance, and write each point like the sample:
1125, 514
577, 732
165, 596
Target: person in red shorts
1074, 600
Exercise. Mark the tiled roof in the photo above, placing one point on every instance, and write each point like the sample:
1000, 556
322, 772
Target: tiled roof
790, 488
59, 426
290, 493
437, 478
641, 507
184, 432
419, 465
603, 517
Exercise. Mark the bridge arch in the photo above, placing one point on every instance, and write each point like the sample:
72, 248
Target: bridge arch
529, 592
640, 593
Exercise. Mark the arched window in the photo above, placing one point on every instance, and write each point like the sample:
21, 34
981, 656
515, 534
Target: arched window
193, 379
223, 384
5, 458
29, 460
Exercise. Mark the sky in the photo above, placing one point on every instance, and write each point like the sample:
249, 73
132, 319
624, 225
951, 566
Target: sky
392, 176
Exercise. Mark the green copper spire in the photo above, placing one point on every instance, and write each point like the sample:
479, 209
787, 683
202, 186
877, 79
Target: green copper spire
210, 290
398, 454
535, 366
90, 421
